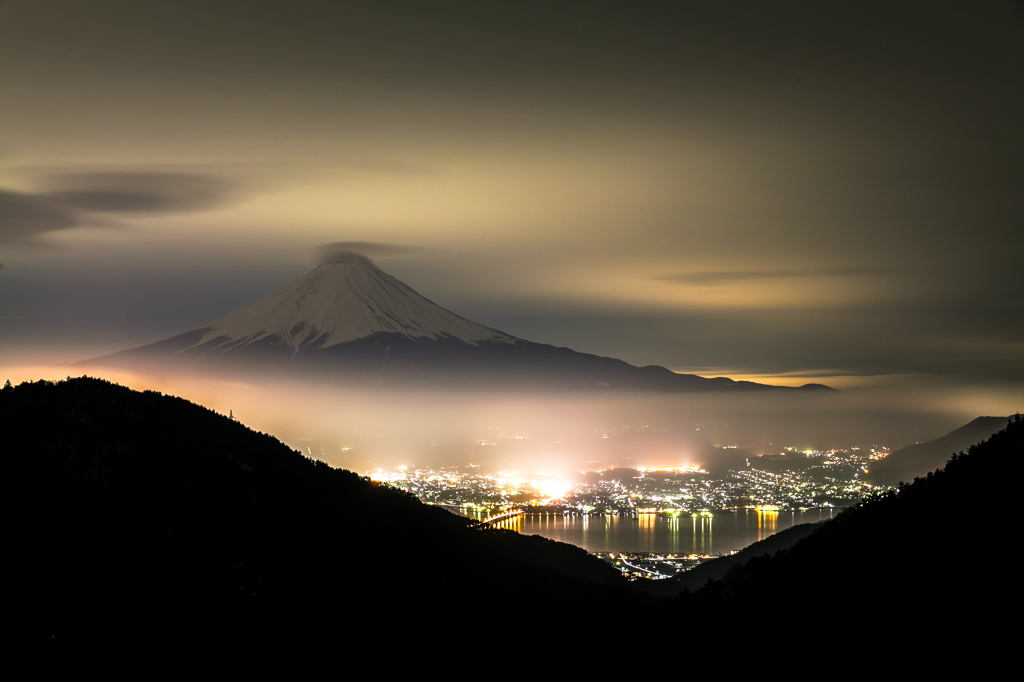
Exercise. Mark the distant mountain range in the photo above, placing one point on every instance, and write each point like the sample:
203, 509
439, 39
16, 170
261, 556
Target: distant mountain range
918, 459
348, 319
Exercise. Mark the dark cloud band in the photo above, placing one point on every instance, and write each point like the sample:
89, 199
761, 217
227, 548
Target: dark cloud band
74, 199
25, 216
132, 192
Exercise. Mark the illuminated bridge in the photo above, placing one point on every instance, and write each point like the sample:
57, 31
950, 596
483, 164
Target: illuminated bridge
501, 517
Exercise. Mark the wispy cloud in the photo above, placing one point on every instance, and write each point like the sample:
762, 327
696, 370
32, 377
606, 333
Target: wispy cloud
138, 192
24, 216
73, 200
711, 277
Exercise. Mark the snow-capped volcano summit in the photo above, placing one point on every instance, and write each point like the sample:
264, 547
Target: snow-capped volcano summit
348, 320
338, 302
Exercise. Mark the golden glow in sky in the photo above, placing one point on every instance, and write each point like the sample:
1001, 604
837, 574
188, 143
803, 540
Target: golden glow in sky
720, 190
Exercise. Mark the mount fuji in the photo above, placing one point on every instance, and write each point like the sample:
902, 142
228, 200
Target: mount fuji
348, 320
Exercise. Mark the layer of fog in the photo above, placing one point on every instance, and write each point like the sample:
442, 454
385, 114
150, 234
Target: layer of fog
365, 429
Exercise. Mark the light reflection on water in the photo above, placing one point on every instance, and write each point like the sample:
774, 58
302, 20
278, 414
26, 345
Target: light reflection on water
663, 534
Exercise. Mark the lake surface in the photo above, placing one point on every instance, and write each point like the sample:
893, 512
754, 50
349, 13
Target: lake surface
663, 534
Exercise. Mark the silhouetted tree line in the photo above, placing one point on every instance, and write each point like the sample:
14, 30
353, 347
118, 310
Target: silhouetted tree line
925, 563
158, 514
164, 520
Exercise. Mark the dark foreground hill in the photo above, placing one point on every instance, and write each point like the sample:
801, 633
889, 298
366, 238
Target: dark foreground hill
927, 566
141, 517
154, 515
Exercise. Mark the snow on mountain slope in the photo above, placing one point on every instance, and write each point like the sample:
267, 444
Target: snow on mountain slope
347, 319
344, 300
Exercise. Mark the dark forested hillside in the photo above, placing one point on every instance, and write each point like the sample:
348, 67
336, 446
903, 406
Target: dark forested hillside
932, 558
142, 516
161, 516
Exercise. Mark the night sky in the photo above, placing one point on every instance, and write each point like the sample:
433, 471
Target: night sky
792, 192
